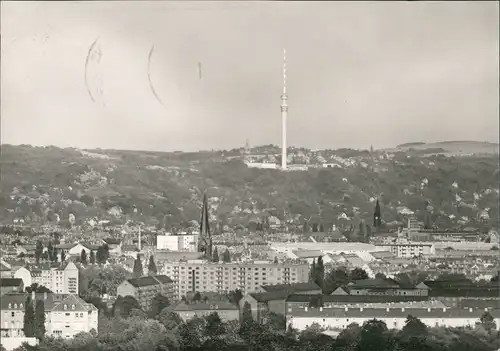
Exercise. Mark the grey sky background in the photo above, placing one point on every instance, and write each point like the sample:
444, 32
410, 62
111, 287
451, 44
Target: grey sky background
359, 73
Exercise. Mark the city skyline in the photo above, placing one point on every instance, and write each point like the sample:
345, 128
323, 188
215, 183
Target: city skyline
361, 74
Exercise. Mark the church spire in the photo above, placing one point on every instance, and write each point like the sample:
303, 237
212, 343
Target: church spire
205, 239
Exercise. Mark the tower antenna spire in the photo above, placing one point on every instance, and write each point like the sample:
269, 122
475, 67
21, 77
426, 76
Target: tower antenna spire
284, 113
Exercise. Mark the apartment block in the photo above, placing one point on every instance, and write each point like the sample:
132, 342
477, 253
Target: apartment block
144, 289
60, 279
202, 276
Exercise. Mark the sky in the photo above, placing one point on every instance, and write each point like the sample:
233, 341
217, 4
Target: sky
358, 73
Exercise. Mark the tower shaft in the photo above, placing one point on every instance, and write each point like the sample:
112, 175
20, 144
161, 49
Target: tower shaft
284, 116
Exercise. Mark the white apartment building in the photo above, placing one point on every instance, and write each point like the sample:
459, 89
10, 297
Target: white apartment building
202, 276
178, 242
409, 250
65, 315
59, 280
340, 318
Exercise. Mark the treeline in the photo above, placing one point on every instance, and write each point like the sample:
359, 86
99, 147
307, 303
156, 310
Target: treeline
138, 331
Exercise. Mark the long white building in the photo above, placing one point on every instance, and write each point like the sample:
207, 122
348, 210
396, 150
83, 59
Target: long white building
339, 318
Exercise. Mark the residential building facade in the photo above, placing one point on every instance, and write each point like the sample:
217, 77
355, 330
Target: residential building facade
340, 318
65, 315
178, 242
202, 276
144, 289
61, 279
409, 250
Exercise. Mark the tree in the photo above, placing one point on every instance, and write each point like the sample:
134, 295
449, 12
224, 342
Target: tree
39, 322
358, 274
197, 297
158, 303
37, 289
320, 272
50, 251
377, 217
404, 280
368, 233
373, 336
38, 251
428, 224
124, 305
63, 256
92, 257
313, 272
29, 318
414, 327
83, 257
138, 270
361, 231
54, 254
169, 319
214, 326
380, 276
348, 339
152, 270
226, 256
235, 296
488, 322
335, 278
246, 314
215, 255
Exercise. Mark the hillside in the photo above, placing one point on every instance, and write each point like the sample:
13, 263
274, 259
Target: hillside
40, 183
452, 148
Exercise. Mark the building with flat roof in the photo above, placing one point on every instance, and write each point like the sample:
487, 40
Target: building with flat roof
203, 276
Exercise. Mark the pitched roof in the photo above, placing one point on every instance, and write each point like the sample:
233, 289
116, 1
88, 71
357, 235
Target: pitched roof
390, 313
51, 301
374, 283
270, 296
163, 279
297, 287
205, 306
143, 281
112, 241
308, 253
355, 298
10, 282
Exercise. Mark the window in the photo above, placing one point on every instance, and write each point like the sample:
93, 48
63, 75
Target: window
15, 305
20, 305
72, 307
10, 305
13, 314
65, 306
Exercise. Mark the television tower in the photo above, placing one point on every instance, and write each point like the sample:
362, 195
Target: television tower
284, 113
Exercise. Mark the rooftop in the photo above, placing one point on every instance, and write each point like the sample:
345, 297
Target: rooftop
390, 312
10, 282
205, 306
